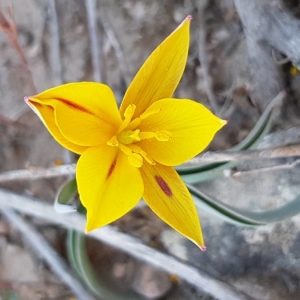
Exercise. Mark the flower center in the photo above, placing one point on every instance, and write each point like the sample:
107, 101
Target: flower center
128, 136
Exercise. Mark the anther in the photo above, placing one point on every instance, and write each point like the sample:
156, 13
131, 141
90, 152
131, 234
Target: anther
113, 142
135, 160
163, 135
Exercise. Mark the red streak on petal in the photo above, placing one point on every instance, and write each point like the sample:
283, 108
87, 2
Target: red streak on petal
75, 106
164, 186
111, 169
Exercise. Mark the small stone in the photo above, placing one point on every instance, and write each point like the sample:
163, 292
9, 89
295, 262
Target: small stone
151, 282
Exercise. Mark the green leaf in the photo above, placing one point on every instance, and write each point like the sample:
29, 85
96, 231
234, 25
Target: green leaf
202, 172
242, 217
9, 295
80, 262
65, 196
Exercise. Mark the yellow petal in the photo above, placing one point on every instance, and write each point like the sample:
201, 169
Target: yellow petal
192, 127
46, 114
85, 113
161, 73
169, 198
82, 127
107, 184
96, 98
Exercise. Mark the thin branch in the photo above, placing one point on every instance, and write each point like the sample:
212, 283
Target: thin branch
286, 166
37, 173
9, 29
202, 55
43, 249
218, 156
117, 47
55, 60
208, 157
109, 235
92, 25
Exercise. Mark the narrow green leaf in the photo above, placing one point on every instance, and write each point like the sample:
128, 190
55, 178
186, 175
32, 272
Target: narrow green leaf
242, 217
202, 172
65, 196
80, 262
9, 295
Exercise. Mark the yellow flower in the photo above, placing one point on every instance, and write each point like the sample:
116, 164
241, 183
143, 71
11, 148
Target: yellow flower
129, 154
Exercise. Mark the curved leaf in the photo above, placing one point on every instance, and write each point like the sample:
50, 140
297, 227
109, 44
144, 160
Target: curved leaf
65, 196
202, 172
80, 262
243, 217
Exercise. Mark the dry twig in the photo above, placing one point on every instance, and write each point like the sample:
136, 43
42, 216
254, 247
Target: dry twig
55, 60
202, 54
93, 32
208, 157
109, 235
117, 47
279, 152
9, 29
286, 166
43, 249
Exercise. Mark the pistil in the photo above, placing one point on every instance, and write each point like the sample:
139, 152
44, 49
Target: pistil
128, 135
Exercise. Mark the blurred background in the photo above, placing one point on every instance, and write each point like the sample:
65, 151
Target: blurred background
241, 56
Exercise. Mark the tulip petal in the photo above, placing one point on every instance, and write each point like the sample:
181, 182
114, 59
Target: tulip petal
160, 74
46, 114
168, 197
108, 185
86, 113
192, 127
93, 97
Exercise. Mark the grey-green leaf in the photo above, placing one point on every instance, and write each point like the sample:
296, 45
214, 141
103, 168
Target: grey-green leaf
202, 172
65, 196
80, 262
243, 217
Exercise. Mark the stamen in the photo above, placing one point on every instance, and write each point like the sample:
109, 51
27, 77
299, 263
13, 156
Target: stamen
135, 135
136, 122
143, 116
160, 135
125, 149
139, 150
129, 111
127, 115
135, 160
163, 135
149, 113
128, 137
113, 142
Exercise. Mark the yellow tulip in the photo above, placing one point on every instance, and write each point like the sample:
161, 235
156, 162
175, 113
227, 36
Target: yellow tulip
130, 153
